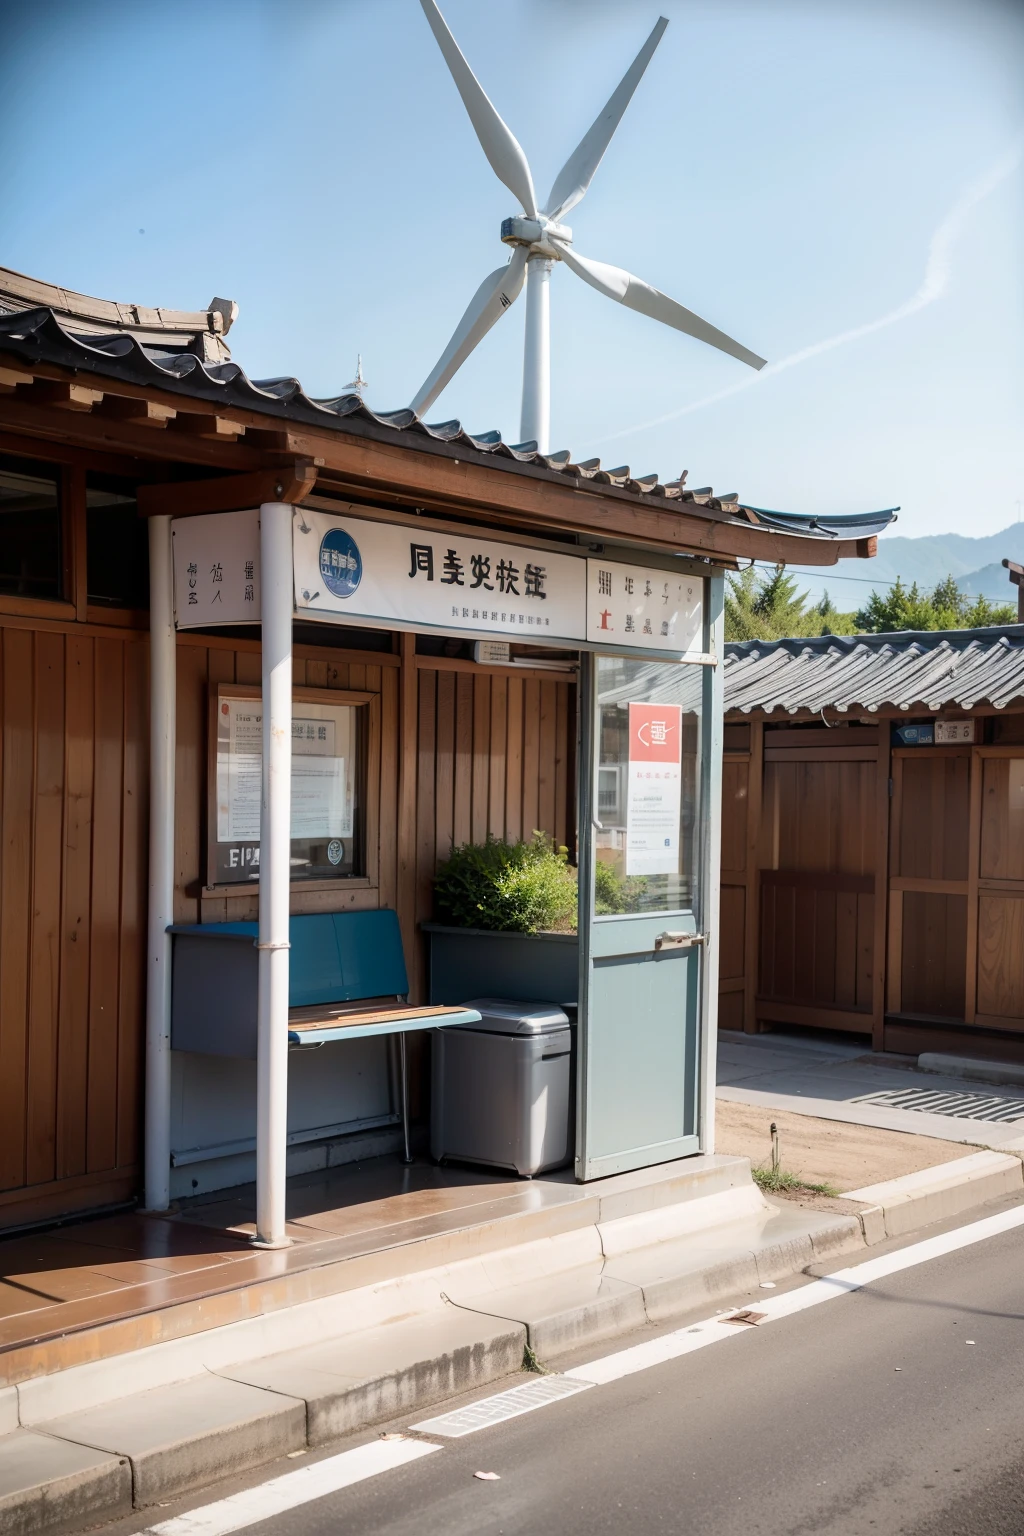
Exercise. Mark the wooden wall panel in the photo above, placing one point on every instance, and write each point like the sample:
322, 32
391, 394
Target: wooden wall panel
495, 755
1002, 819
816, 853
934, 954
734, 816
732, 928
931, 839
1001, 955
73, 772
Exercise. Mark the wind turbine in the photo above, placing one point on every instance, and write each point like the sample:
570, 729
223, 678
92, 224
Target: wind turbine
538, 239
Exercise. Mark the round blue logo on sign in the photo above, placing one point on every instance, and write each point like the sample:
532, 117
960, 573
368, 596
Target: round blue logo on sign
341, 565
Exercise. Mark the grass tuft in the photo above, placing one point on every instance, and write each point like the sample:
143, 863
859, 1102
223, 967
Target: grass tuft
774, 1181
531, 1363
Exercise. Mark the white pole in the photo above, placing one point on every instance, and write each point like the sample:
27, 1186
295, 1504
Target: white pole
275, 874
535, 422
162, 684
713, 732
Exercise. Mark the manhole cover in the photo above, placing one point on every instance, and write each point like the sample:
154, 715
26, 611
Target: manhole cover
505, 1405
960, 1106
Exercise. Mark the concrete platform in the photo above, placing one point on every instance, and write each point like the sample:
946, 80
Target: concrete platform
183, 1436
50, 1485
373, 1375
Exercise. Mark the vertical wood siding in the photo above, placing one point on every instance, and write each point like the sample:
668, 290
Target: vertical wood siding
73, 792
488, 753
817, 886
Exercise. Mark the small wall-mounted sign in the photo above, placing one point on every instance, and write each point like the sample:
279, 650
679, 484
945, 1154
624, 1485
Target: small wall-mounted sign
495, 653
919, 735
954, 730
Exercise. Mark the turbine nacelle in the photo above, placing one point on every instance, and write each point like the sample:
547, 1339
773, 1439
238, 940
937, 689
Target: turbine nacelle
537, 234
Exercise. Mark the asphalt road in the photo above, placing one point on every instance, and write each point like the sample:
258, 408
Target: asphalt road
803, 1427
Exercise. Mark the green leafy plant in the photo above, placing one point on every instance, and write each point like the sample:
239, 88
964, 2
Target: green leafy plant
614, 894
519, 887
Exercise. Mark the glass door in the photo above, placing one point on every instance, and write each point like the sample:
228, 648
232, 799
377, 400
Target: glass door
640, 943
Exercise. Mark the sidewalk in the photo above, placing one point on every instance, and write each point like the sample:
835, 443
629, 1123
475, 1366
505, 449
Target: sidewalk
834, 1080
144, 1356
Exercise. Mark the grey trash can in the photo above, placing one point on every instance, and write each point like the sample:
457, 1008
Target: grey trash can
501, 1089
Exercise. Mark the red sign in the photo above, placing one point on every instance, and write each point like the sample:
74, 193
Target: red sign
655, 733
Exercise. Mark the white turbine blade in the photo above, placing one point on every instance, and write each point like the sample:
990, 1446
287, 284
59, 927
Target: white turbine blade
636, 294
575, 176
496, 293
497, 140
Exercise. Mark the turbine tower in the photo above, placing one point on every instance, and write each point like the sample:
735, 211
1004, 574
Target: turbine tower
539, 239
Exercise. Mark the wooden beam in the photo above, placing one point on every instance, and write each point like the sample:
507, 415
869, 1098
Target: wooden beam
65, 396
94, 430
441, 479
128, 408
199, 424
229, 493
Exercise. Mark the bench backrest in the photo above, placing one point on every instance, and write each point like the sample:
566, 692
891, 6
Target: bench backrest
336, 957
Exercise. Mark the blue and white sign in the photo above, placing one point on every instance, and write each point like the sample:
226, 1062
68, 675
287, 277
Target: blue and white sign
341, 565
467, 583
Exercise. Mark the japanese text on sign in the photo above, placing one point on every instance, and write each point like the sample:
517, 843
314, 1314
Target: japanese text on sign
654, 794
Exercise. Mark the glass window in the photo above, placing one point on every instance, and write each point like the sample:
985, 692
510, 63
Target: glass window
328, 750
30, 529
645, 795
117, 544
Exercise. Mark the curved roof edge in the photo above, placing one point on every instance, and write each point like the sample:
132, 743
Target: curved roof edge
905, 671
42, 334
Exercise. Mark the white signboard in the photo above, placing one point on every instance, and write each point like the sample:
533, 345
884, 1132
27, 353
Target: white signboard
460, 583
637, 606
954, 730
216, 569
320, 807
654, 790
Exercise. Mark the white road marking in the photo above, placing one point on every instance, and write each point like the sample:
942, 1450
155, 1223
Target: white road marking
625, 1362
264, 1501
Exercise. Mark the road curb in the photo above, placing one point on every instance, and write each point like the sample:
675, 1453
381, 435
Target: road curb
899, 1206
140, 1451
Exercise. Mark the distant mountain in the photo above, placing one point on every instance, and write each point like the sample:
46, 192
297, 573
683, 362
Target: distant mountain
974, 562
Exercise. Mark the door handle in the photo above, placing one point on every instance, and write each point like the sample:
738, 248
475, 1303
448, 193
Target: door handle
678, 940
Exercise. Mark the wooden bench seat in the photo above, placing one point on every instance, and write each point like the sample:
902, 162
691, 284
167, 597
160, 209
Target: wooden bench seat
309, 1026
347, 981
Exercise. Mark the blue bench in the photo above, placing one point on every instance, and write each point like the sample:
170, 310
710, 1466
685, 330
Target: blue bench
347, 981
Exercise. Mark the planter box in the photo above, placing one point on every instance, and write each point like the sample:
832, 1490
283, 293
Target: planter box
474, 962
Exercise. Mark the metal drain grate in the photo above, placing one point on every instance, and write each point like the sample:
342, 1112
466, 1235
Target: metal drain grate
960, 1106
505, 1405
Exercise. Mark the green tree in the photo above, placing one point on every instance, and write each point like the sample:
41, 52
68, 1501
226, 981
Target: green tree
768, 607
945, 607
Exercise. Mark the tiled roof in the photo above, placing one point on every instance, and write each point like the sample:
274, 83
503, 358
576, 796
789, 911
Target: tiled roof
905, 671
200, 331
44, 334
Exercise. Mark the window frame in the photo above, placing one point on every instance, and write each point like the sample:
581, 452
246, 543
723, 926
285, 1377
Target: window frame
369, 779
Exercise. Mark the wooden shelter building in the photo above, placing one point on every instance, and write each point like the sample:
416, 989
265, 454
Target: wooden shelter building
125, 432
873, 839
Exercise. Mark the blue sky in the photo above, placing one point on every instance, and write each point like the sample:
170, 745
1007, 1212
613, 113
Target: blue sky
784, 170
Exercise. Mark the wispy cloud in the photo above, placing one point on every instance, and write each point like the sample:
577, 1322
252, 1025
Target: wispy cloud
933, 286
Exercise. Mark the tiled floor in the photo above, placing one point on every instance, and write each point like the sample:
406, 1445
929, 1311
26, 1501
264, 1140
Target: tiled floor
93, 1272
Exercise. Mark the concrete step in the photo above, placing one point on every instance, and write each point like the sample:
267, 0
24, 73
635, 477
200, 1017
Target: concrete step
378, 1373
51, 1485
183, 1436
75, 1460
